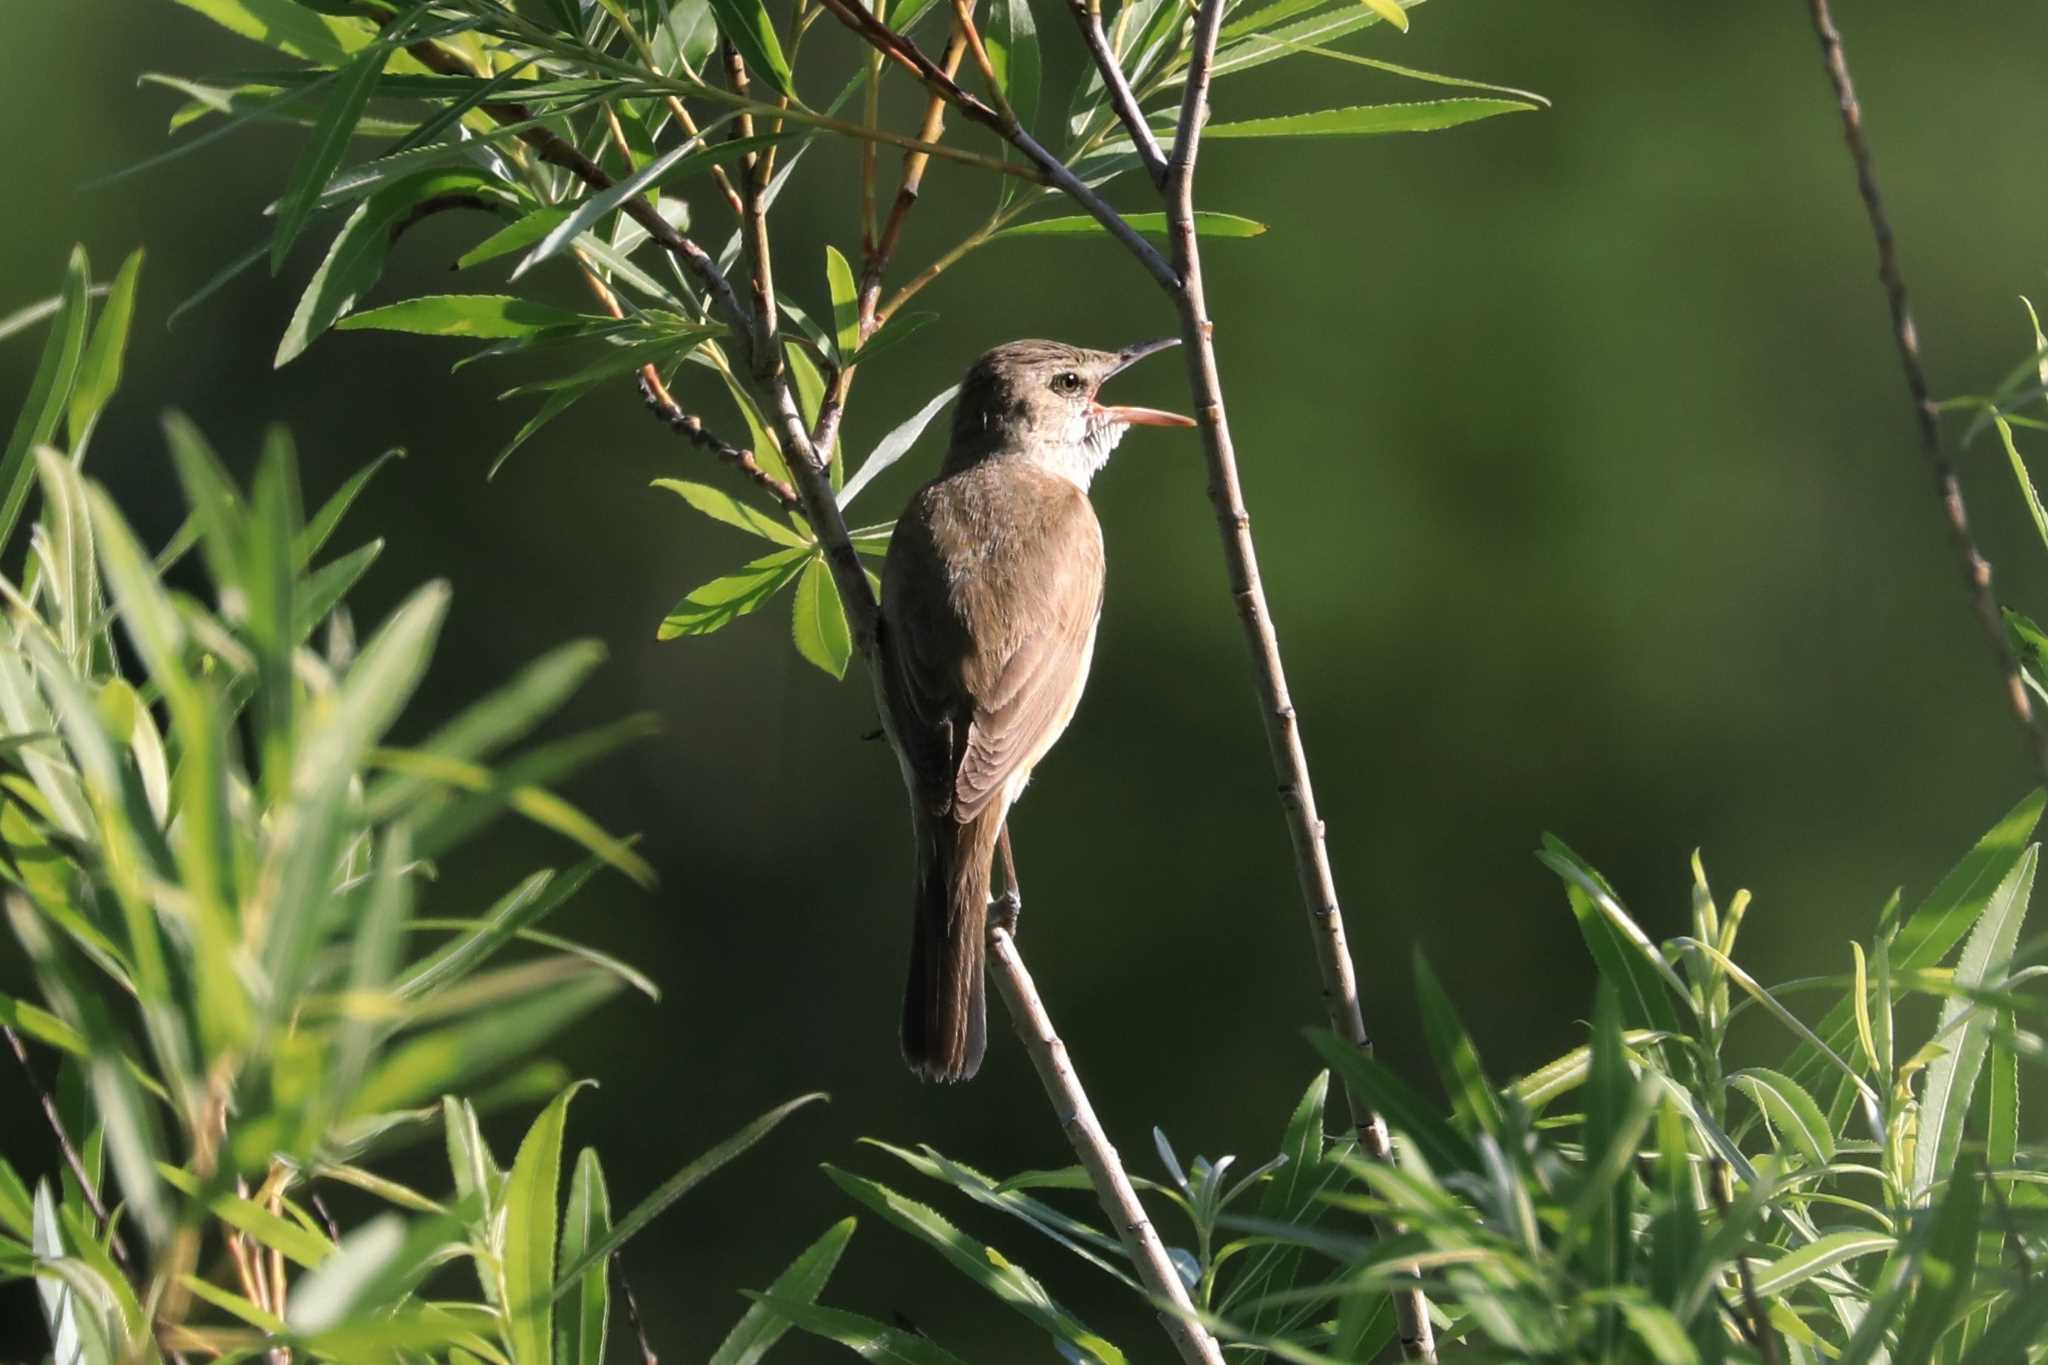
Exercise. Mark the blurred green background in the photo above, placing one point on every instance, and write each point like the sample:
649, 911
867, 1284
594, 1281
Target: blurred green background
1587, 497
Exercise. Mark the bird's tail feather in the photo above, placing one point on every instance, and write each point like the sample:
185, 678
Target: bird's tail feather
945, 1026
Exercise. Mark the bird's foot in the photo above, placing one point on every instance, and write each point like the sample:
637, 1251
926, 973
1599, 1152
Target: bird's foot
1006, 910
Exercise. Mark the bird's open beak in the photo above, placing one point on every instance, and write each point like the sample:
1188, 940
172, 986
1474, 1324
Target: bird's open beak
1140, 417
1136, 416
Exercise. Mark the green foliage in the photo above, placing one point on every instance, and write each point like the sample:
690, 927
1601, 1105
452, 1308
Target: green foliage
492, 124
1639, 1199
222, 871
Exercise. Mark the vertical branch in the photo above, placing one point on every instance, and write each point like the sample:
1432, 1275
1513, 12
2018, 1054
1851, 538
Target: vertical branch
1283, 732
1088, 14
1976, 570
67, 1149
1105, 1169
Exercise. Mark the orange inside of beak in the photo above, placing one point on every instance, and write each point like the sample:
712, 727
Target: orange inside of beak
1142, 417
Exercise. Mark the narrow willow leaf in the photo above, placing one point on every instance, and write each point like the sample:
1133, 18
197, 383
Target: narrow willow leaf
1791, 1111
863, 1336
1207, 224
331, 512
531, 1226
289, 27
355, 259
818, 620
1389, 11
430, 1064
335, 1289
1011, 37
1965, 1028
979, 1262
1473, 1096
1370, 119
675, 1187
845, 303
683, 157
48, 393
1948, 1263
1822, 1254
99, 369
895, 330
337, 123
587, 1310
1651, 990
723, 600
513, 236
762, 1325
747, 26
722, 506
2021, 477
469, 315
895, 445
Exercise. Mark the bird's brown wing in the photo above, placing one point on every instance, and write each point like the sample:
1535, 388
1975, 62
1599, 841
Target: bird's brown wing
1021, 556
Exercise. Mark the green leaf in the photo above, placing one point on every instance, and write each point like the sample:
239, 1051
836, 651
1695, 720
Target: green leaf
2020, 476
1150, 224
896, 444
722, 506
1473, 1096
1390, 11
337, 123
335, 1290
1776, 1278
1791, 1111
356, 257
289, 27
430, 1064
48, 393
1011, 37
863, 1336
99, 369
845, 303
513, 236
896, 329
524, 906
746, 25
467, 315
819, 620
530, 1230
1444, 1147
1621, 950
1421, 116
979, 1262
587, 1310
324, 522
762, 1325
1948, 1264
676, 1186
1965, 1028
723, 600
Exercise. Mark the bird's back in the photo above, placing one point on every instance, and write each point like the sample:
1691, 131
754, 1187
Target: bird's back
991, 591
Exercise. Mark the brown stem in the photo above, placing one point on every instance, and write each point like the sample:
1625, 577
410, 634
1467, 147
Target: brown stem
66, 1147
1105, 1169
1055, 172
664, 406
647, 1356
754, 219
1088, 14
1758, 1329
1283, 730
1976, 570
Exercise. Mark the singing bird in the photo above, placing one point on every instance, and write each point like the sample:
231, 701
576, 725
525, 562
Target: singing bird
990, 598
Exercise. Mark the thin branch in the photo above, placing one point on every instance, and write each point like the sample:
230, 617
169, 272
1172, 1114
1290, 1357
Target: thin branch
647, 1356
1054, 171
67, 1148
1283, 731
1088, 14
754, 221
1105, 1169
663, 405
1976, 570
1759, 1328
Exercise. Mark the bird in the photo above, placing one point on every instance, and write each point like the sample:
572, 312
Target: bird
991, 592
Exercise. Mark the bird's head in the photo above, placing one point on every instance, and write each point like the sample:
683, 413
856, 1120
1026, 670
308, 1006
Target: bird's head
1039, 400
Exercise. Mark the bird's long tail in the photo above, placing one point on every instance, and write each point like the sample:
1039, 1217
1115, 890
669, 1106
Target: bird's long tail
945, 1028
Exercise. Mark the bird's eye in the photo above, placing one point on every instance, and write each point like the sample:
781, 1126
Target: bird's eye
1066, 381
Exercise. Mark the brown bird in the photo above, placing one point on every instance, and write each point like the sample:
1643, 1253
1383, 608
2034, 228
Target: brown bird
990, 598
